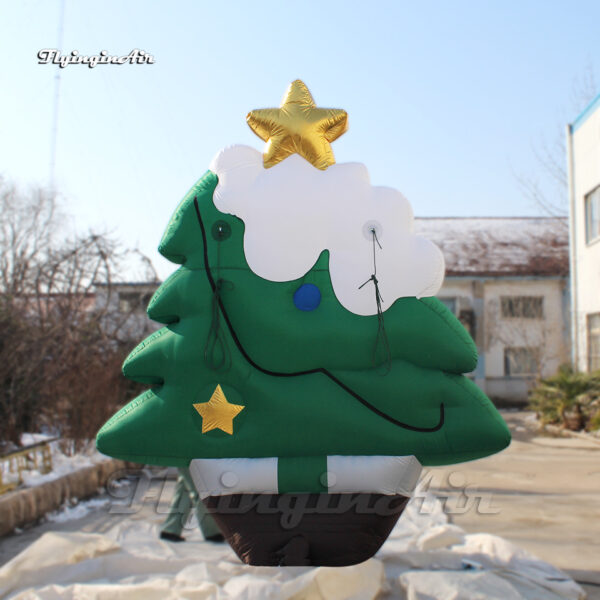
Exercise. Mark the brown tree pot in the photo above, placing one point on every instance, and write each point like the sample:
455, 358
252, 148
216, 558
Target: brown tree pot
573, 420
305, 529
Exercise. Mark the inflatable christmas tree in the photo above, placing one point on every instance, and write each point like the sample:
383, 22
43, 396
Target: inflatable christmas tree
304, 357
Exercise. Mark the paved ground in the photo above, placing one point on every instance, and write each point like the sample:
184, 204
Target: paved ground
542, 493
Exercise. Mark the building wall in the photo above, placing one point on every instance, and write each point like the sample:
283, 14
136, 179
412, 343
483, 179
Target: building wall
548, 334
476, 301
126, 310
545, 337
584, 177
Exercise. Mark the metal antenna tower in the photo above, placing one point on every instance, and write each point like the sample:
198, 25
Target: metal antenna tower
54, 134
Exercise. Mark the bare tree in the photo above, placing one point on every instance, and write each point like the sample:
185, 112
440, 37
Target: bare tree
548, 191
59, 353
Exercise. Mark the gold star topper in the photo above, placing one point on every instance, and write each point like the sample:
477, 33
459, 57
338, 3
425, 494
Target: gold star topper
298, 126
218, 413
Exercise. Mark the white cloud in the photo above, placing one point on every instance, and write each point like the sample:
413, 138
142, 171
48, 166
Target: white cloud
292, 212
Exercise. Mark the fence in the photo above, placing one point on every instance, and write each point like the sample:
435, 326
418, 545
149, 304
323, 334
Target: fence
34, 457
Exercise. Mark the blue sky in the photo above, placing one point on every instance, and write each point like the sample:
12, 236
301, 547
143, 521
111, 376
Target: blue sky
445, 99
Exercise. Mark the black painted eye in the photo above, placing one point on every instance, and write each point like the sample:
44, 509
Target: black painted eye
307, 297
221, 230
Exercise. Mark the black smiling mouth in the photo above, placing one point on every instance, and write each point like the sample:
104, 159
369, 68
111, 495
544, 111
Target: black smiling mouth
321, 370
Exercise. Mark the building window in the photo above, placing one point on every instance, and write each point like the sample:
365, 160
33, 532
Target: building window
526, 307
592, 215
449, 302
521, 361
467, 319
593, 323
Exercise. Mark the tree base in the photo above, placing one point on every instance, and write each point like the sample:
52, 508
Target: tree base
305, 529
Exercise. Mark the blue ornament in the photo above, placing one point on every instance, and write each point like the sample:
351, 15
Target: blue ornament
307, 297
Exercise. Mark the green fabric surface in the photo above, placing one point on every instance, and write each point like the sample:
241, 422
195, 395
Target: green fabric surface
302, 474
298, 416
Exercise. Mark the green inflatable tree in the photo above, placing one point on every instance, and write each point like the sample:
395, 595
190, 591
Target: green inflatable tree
251, 368
305, 378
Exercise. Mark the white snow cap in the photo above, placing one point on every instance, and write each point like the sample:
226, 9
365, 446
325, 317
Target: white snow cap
292, 212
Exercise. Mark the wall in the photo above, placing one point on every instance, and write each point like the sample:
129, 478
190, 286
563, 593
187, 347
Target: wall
28, 505
585, 176
548, 334
493, 332
132, 323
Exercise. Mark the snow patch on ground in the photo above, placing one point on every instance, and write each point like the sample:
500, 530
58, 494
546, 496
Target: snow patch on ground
76, 510
27, 439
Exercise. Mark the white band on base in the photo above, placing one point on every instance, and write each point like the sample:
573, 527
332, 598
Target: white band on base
345, 474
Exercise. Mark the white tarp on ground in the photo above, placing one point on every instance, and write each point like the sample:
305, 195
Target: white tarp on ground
425, 559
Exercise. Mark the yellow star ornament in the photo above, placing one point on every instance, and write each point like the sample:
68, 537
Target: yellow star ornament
298, 126
218, 413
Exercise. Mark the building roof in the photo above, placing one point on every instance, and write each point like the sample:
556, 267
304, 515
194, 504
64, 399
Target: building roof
500, 246
487, 246
587, 111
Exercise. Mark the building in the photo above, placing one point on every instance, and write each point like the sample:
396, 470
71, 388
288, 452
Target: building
507, 282
583, 148
124, 305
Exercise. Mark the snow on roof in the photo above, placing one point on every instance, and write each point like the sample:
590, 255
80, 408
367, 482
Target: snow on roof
500, 246
489, 246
